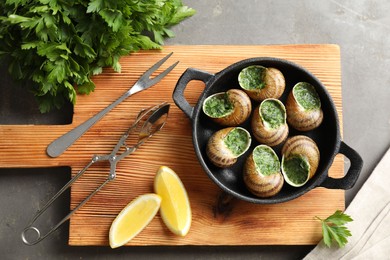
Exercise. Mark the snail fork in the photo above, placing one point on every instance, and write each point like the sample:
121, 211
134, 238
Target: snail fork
58, 146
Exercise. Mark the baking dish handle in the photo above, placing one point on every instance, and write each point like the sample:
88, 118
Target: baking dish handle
350, 178
178, 93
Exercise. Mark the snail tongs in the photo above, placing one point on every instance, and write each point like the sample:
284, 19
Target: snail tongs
148, 122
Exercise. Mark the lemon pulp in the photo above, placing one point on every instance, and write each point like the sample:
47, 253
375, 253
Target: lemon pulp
133, 219
175, 207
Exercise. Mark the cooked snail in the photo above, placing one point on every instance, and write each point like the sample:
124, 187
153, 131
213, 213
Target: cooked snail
303, 107
300, 159
262, 174
226, 145
269, 122
230, 108
260, 82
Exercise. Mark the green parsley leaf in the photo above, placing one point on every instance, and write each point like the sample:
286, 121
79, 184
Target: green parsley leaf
95, 6
333, 228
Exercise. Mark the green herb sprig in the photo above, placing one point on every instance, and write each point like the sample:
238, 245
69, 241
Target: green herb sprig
333, 228
60, 44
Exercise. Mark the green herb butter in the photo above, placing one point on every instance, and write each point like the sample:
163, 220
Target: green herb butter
266, 161
306, 96
217, 106
252, 77
237, 141
296, 168
273, 112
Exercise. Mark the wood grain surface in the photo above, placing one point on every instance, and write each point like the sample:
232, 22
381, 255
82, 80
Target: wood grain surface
236, 222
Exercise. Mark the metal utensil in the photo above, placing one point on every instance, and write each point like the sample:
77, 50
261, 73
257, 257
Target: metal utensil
148, 122
58, 146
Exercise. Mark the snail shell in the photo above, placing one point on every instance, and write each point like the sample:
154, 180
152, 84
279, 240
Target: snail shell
266, 128
226, 145
262, 174
304, 151
260, 82
304, 115
238, 103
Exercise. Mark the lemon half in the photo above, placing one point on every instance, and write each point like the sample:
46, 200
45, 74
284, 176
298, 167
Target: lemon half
175, 207
133, 219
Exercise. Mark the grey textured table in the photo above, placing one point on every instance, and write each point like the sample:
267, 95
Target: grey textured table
359, 27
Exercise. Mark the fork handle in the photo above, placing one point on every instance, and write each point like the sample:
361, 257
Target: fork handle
58, 146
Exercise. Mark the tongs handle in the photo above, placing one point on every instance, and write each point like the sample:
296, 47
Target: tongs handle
30, 227
62, 221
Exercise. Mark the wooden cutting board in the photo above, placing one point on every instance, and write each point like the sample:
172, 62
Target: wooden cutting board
214, 223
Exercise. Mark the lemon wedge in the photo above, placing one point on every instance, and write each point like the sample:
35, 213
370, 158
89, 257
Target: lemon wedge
133, 219
175, 207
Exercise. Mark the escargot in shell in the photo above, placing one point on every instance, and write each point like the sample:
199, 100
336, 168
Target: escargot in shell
262, 174
303, 107
226, 145
269, 122
260, 82
230, 108
300, 159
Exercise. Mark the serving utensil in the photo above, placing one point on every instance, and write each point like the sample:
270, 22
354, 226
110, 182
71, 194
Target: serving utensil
148, 122
58, 146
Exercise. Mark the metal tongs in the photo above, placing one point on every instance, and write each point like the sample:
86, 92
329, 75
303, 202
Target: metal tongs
148, 122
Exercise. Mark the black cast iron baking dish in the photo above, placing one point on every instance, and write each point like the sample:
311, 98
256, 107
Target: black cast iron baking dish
327, 135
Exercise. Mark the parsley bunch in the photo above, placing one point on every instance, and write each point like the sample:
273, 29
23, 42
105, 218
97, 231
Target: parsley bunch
60, 44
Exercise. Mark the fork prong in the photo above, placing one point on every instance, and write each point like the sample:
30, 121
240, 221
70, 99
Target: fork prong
152, 69
161, 75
